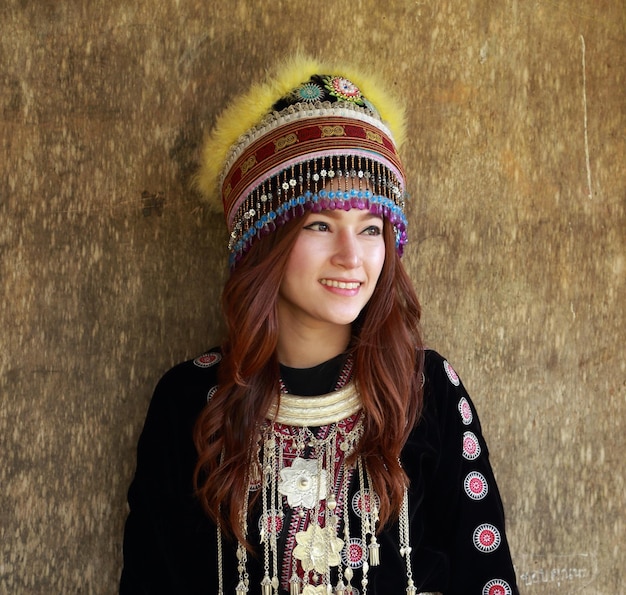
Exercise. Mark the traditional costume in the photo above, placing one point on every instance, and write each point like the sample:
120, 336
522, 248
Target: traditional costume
314, 139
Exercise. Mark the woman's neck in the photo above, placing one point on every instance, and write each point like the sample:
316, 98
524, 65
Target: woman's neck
305, 348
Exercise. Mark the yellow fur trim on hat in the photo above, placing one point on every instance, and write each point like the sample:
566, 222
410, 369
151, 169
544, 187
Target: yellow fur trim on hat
249, 109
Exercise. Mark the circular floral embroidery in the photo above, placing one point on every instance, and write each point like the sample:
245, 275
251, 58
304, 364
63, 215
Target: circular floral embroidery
362, 502
466, 411
343, 89
272, 520
475, 485
471, 447
497, 587
207, 360
302, 484
486, 538
210, 394
354, 553
452, 375
309, 93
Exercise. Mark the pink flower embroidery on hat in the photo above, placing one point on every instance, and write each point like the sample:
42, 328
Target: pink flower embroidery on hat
344, 89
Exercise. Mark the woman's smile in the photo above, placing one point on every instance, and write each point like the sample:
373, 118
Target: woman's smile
337, 284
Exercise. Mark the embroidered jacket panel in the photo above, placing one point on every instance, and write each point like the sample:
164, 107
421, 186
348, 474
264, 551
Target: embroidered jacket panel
456, 515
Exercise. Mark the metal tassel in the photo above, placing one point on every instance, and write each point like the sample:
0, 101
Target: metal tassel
374, 552
411, 590
266, 585
294, 585
241, 588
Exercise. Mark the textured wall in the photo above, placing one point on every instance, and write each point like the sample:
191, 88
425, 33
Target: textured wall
111, 268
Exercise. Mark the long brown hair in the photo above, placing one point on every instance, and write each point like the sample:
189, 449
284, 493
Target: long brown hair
388, 361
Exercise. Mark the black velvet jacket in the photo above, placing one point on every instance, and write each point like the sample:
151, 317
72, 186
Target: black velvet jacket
456, 515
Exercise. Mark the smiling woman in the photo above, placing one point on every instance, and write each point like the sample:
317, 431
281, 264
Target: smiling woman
321, 448
330, 276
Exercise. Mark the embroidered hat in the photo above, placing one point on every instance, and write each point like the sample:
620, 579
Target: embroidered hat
312, 137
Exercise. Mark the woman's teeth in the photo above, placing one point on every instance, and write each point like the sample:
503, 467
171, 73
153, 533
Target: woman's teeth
340, 284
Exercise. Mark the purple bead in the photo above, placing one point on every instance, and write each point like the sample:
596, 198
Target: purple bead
355, 203
346, 205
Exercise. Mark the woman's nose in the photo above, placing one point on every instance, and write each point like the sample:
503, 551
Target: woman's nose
347, 253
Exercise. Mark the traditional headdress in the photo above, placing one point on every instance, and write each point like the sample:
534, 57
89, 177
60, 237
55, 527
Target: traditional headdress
275, 150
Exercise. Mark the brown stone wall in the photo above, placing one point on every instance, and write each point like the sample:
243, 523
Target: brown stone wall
111, 268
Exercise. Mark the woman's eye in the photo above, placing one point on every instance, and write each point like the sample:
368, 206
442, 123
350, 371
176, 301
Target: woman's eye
372, 230
318, 226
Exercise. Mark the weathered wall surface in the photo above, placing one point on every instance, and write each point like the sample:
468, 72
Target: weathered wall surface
111, 268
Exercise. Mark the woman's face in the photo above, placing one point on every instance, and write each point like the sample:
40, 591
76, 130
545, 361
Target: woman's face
332, 270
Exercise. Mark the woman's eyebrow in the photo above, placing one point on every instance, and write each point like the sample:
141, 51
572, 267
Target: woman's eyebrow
336, 214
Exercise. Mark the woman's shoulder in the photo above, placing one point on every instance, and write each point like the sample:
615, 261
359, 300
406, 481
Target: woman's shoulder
193, 370
444, 392
189, 384
438, 371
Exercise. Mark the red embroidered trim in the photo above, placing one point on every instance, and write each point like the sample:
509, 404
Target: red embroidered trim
302, 140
